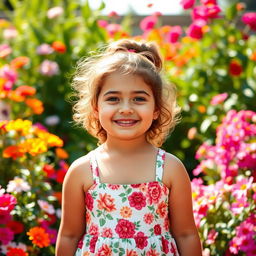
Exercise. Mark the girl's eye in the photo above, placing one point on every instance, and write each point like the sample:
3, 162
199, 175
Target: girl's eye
139, 99
112, 99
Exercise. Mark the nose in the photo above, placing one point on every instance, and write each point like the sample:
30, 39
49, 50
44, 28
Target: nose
126, 109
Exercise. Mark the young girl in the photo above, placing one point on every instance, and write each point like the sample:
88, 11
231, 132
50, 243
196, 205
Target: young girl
128, 196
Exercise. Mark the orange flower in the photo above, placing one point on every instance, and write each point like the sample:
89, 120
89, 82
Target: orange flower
36, 105
19, 62
201, 109
253, 56
51, 139
59, 47
39, 237
34, 146
13, 152
131, 253
126, 212
16, 252
14, 96
19, 125
162, 209
61, 153
106, 202
25, 90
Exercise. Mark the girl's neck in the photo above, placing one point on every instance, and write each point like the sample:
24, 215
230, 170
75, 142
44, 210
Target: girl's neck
126, 147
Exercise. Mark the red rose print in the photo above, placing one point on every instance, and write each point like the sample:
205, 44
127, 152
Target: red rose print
113, 186
106, 202
136, 185
93, 230
137, 200
93, 243
89, 201
165, 245
173, 249
157, 229
104, 250
125, 229
107, 232
141, 240
80, 243
154, 192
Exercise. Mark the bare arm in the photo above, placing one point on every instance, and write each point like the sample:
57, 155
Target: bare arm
72, 224
182, 220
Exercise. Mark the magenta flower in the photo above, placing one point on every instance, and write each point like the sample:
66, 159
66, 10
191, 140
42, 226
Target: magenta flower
206, 2
7, 203
174, 34
148, 23
249, 19
49, 68
44, 49
206, 12
102, 23
113, 28
195, 30
6, 235
217, 99
187, 4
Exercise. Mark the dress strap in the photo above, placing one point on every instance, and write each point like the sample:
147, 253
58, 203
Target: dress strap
94, 167
160, 164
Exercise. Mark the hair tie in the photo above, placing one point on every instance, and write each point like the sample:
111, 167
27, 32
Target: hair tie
131, 50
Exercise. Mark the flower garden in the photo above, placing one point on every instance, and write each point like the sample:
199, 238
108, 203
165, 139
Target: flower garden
213, 64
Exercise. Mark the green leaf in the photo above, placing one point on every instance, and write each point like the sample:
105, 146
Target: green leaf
102, 222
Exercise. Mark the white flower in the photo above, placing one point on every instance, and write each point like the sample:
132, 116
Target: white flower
54, 12
5, 248
49, 68
2, 190
45, 206
52, 120
18, 185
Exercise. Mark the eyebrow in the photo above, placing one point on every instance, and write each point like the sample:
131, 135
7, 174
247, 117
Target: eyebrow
133, 92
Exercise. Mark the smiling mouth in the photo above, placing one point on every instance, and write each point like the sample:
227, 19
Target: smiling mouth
126, 123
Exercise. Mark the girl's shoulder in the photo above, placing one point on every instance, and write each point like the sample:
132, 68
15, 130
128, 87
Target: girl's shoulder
174, 170
79, 172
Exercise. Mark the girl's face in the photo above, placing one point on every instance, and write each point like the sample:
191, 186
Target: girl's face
126, 107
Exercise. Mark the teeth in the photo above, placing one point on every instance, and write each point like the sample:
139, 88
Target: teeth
125, 122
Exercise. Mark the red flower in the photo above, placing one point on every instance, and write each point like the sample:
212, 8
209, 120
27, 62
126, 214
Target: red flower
137, 200
25, 90
187, 4
16, 252
125, 229
89, 201
235, 69
16, 226
141, 240
195, 30
154, 192
93, 243
157, 229
59, 47
165, 245
174, 34
61, 175
173, 249
249, 19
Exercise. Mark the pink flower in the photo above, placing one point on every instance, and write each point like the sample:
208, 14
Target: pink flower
137, 200
206, 12
102, 23
44, 49
107, 232
94, 230
249, 19
141, 240
54, 12
125, 228
148, 218
5, 50
148, 23
217, 99
154, 192
6, 235
212, 236
49, 68
174, 34
45, 206
10, 33
113, 14
187, 4
195, 30
112, 29
7, 203
89, 201
206, 2
9, 75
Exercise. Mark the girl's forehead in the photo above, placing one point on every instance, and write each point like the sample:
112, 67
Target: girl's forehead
125, 82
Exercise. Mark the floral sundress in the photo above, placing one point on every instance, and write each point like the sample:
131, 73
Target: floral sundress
130, 219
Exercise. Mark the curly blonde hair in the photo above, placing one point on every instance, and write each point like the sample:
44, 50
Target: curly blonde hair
126, 57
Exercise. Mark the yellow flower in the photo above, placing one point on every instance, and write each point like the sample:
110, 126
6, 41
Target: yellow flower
19, 125
34, 146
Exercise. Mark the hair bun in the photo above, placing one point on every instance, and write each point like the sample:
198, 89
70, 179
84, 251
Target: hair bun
147, 49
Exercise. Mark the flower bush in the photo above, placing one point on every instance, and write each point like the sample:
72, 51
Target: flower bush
212, 62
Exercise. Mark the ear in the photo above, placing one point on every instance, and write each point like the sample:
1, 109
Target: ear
95, 112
